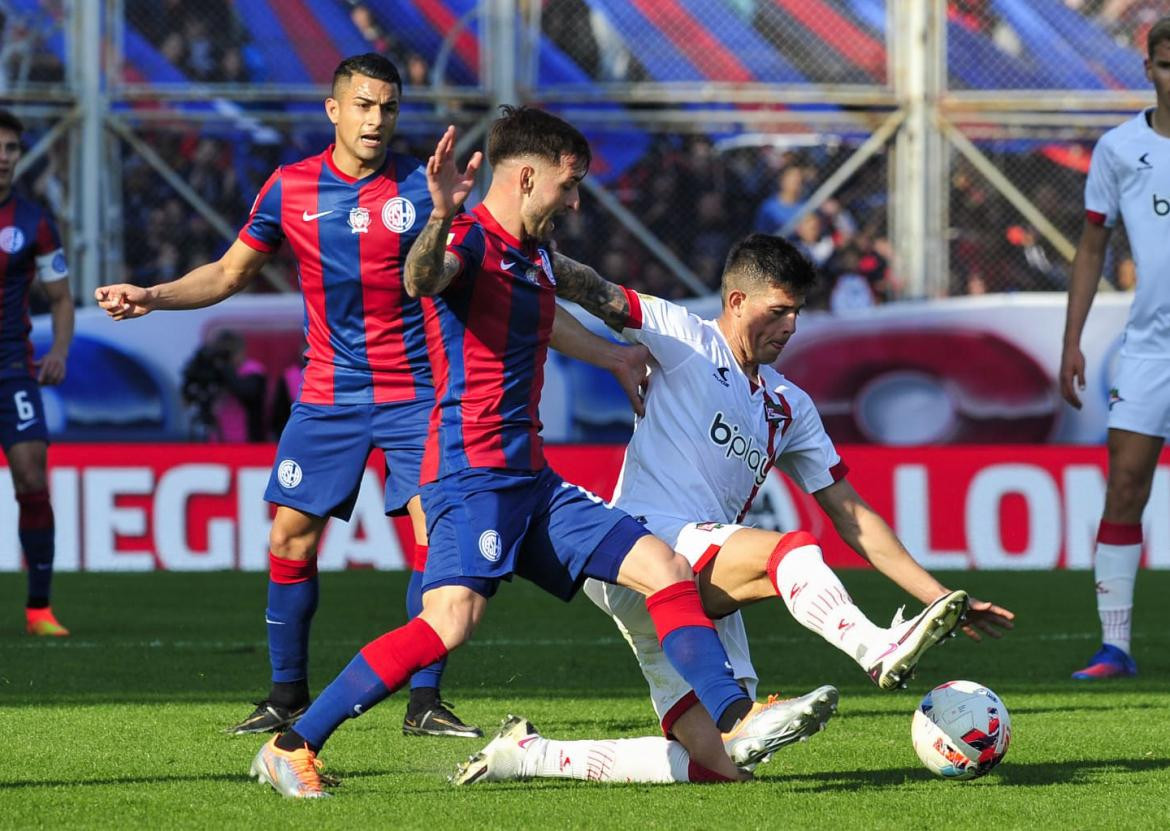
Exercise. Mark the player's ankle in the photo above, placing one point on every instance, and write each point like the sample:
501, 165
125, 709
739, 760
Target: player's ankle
422, 699
289, 694
38, 602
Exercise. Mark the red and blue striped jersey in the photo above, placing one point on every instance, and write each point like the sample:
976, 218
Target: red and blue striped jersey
350, 238
29, 248
488, 335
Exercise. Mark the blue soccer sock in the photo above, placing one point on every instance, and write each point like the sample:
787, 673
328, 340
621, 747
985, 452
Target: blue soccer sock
380, 668
693, 648
292, 601
36, 530
429, 678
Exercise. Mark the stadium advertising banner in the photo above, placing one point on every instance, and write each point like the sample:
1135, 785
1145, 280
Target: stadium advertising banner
951, 371
133, 507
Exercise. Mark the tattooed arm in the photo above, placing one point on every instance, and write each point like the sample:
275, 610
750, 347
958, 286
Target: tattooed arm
595, 294
430, 267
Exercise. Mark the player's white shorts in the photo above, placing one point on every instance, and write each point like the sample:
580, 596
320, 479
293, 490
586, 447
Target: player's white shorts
1140, 398
698, 542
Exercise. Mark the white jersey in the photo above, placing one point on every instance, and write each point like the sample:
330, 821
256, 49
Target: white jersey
710, 436
1130, 177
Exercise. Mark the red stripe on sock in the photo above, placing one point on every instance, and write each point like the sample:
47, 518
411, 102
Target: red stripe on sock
396, 655
788, 542
36, 511
283, 571
676, 712
677, 606
420, 557
698, 773
1119, 533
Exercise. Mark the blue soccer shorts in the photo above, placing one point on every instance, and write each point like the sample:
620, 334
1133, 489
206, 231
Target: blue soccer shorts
323, 450
485, 525
22, 413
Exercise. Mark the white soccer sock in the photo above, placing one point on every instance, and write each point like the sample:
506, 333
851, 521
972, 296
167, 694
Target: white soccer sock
816, 598
1115, 566
650, 759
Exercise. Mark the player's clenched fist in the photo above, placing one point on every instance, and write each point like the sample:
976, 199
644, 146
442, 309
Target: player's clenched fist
123, 301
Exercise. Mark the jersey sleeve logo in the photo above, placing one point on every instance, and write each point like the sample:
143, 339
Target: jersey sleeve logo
398, 214
11, 239
359, 221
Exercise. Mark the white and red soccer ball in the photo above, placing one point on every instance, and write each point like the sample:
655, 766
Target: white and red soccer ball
961, 730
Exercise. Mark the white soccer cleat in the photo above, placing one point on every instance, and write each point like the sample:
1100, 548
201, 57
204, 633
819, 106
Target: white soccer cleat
501, 759
294, 773
777, 723
909, 640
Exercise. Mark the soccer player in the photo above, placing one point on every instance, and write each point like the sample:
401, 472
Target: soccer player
715, 401
493, 506
1124, 183
349, 215
29, 249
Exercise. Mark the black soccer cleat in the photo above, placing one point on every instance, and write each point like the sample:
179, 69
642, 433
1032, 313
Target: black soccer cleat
268, 718
438, 720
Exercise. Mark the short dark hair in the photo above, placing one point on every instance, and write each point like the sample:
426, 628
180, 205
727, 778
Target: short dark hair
765, 260
372, 65
1159, 32
527, 131
8, 121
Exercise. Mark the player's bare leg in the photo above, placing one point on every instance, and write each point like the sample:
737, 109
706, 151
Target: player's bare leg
427, 714
754, 565
28, 462
689, 640
1133, 458
292, 601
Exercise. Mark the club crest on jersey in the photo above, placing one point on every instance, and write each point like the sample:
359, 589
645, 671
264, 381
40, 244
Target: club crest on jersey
489, 545
546, 266
11, 239
359, 221
289, 474
778, 413
398, 214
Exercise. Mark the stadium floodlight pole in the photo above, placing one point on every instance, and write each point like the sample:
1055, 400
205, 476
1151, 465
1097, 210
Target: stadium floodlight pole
919, 206
89, 150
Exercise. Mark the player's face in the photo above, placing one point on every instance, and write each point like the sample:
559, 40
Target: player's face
365, 112
767, 319
553, 189
9, 156
1158, 71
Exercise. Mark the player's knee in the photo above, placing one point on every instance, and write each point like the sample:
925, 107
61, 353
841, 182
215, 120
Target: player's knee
290, 545
29, 480
453, 612
1126, 496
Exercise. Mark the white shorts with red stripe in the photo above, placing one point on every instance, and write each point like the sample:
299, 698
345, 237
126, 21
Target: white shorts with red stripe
671, 696
1139, 398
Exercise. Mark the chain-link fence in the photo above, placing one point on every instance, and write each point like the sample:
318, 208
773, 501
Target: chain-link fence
710, 119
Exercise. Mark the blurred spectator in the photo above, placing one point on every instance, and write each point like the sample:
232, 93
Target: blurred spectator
226, 391
1031, 267
783, 205
813, 240
376, 37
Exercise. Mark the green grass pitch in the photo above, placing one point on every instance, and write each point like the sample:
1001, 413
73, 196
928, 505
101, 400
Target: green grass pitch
120, 725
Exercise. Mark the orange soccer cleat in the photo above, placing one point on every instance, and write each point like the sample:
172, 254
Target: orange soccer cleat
43, 622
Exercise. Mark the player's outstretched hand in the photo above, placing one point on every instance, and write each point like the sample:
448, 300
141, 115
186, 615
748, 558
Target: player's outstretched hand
1072, 375
50, 368
449, 187
123, 301
985, 618
631, 370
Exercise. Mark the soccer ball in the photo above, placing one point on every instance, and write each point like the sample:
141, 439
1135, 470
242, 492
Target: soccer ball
961, 730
